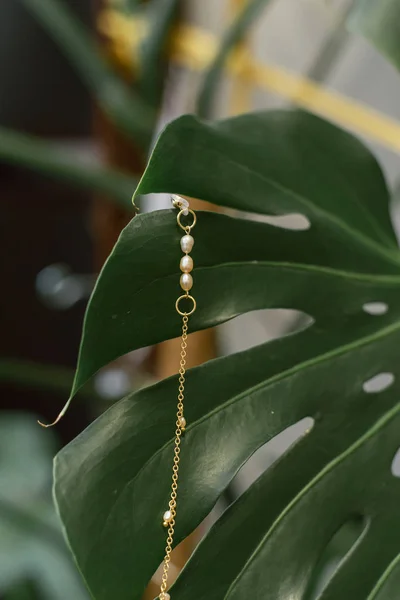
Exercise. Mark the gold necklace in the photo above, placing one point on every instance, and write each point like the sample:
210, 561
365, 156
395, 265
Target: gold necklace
186, 282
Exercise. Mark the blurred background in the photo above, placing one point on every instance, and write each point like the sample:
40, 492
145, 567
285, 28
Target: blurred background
86, 85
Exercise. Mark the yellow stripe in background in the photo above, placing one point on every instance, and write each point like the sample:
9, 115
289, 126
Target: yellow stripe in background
195, 48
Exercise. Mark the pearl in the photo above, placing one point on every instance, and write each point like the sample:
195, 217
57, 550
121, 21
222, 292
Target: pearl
166, 596
182, 423
186, 282
167, 517
187, 243
186, 264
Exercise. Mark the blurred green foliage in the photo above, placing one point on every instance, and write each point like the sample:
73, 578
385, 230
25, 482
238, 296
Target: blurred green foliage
34, 560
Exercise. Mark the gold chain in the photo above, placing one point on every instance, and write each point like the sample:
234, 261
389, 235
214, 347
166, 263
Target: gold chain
186, 284
175, 469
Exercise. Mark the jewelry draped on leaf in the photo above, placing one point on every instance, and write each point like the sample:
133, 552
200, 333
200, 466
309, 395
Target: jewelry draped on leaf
186, 282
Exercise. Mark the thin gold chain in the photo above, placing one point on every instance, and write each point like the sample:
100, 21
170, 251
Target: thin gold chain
186, 282
175, 467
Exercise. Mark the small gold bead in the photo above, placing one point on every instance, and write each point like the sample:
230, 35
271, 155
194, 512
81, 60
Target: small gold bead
182, 423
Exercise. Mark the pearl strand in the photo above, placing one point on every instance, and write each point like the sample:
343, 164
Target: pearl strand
186, 264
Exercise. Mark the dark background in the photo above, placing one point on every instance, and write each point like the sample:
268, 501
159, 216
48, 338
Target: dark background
40, 94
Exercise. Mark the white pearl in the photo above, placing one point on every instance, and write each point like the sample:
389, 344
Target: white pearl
186, 264
187, 243
186, 281
166, 596
167, 516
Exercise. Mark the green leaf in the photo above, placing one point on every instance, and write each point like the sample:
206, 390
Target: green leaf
272, 538
349, 228
236, 404
231, 38
28, 151
285, 161
310, 497
161, 15
379, 22
124, 107
388, 585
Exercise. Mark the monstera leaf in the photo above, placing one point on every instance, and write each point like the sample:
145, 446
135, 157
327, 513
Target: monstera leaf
112, 482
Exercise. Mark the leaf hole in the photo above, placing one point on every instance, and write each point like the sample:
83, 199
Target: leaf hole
258, 326
292, 221
375, 308
270, 452
395, 468
378, 383
295, 222
334, 554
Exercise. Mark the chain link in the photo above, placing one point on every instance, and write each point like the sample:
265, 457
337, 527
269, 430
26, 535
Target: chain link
180, 427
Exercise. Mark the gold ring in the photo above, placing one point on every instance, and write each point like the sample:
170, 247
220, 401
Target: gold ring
186, 227
185, 314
